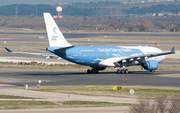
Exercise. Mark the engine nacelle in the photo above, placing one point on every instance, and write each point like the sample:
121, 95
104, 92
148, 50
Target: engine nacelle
150, 65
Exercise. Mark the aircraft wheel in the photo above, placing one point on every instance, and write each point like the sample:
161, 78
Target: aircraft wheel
88, 71
122, 71
92, 71
96, 71
126, 71
118, 71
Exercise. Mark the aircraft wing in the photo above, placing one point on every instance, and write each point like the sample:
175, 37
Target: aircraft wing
47, 55
142, 58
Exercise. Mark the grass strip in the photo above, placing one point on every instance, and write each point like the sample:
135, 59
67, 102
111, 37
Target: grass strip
9, 104
14, 97
12, 104
92, 104
108, 91
130, 39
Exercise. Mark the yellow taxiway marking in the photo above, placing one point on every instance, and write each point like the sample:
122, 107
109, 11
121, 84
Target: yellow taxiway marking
125, 78
90, 86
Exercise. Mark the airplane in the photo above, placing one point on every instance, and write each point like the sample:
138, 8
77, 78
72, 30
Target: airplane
101, 57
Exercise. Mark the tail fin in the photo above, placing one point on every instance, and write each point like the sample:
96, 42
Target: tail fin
56, 38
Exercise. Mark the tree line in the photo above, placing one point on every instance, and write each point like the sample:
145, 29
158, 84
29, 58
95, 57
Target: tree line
96, 4
26, 10
153, 9
70, 10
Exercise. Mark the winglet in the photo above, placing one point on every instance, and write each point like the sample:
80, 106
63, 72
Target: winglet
173, 50
8, 49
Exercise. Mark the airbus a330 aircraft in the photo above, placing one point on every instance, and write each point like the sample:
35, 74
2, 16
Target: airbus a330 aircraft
100, 57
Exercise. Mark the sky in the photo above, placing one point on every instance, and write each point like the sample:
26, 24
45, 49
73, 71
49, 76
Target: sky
8, 2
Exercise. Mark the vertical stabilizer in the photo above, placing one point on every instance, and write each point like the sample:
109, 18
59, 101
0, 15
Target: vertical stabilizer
56, 38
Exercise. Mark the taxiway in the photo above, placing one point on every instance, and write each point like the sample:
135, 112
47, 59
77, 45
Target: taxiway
61, 78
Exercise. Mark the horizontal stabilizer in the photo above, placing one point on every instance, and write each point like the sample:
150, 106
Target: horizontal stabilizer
63, 50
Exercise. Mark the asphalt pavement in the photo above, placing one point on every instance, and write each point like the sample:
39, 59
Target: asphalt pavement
62, 78
119, 109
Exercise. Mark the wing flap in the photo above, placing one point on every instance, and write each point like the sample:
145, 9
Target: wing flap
144, 56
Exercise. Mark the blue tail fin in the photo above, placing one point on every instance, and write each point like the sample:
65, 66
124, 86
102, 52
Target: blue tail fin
173, 49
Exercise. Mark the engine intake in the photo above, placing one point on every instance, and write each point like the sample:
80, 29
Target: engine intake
150, 65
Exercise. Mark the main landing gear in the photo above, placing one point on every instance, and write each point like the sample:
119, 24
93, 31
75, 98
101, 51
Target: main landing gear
95, 69
92, 71
122, 71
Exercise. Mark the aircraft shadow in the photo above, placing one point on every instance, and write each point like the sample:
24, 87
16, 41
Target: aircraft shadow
84, 73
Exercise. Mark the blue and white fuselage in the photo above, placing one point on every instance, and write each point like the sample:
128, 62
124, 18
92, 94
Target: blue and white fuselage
105, 55
100, 57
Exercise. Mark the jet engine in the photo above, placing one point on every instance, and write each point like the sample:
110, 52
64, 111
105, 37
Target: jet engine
150, 65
